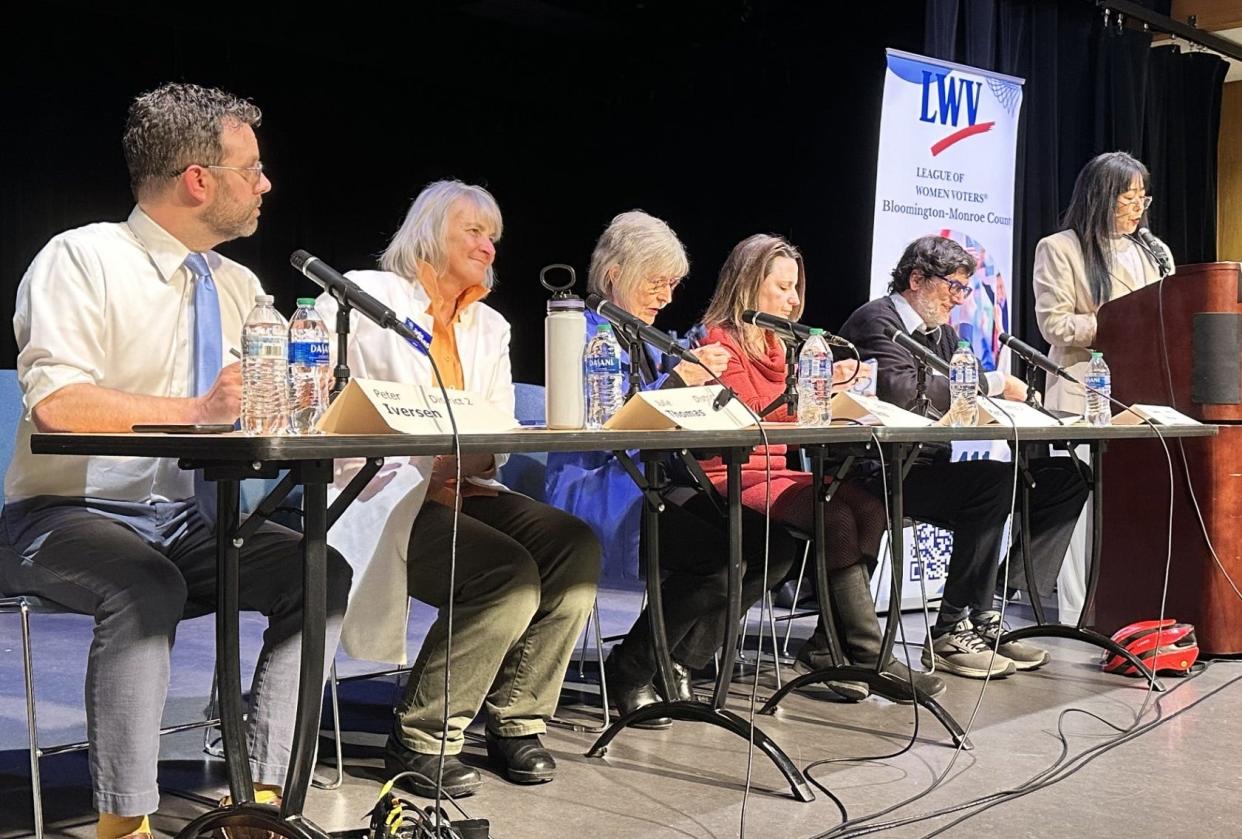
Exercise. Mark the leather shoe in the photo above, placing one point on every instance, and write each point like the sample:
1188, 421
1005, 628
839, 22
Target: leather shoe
628, 695
681, 691
522, 760
458, 780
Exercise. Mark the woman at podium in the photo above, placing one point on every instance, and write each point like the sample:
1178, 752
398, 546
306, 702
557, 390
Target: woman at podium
1099, 256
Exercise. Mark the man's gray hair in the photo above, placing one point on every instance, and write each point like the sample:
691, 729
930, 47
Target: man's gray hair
177, 125
421, 236
633, 249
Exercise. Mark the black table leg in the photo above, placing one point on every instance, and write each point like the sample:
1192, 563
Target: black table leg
228, 652
1080, 632
713, 713
314, 621
1097, 530
724, 678
880, 682
244, 812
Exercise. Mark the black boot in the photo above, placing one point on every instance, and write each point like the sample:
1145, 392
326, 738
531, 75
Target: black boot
523, 760
861, 638
458, 779
629, 692
681, 691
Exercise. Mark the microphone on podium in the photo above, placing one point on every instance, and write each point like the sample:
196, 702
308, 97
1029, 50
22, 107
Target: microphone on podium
1156, 249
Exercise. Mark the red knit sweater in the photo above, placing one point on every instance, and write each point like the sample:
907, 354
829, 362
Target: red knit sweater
756, 382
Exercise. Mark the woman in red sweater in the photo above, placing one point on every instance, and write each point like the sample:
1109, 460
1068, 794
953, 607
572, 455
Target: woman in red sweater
765, 273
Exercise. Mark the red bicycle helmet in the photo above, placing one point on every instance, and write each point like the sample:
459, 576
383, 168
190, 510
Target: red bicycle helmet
1165, 646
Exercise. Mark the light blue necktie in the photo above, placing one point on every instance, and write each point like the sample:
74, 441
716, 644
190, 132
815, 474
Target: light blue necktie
207, 340
206, 361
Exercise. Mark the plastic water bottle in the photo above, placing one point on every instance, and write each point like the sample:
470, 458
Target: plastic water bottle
310, 373
1099, 412
602, 364
815, 381
265, 370
963, 387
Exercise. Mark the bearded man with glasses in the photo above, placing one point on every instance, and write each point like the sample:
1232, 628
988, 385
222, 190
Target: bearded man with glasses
970, 498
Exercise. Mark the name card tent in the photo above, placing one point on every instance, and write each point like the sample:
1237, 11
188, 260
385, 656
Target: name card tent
371, 406
691, 408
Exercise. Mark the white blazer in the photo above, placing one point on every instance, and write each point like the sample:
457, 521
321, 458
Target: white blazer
1065, 309
373, 533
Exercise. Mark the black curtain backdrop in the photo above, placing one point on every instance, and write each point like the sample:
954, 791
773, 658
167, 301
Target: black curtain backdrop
1090, 89
724, 117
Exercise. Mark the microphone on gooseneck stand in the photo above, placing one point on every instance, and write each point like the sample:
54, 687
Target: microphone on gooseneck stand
347, 293
636, 329
922, 353
1033, 356
789, 329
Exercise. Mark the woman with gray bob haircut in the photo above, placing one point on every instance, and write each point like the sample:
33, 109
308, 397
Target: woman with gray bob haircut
637, 263
525, 571
422, 235
633, 249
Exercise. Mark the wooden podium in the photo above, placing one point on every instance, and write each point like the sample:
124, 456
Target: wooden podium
1176, 343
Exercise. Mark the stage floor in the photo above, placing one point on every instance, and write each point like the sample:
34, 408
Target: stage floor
1177, 780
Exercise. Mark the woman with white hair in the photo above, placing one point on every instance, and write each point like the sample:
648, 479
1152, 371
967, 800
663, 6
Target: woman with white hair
526, 572
637, 263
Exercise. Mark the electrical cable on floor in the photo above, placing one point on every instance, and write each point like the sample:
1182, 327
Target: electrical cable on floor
889, 558
1126, 733
1042, 780
844, 829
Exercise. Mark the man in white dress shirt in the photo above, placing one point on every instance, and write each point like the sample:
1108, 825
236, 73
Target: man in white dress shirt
120, 324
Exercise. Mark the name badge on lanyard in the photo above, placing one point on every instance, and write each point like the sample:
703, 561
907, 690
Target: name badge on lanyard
423, 334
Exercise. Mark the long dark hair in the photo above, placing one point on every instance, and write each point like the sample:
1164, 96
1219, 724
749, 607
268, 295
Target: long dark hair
1092, 213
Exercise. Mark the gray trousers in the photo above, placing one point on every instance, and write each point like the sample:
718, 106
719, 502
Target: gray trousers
139, 569
525, 584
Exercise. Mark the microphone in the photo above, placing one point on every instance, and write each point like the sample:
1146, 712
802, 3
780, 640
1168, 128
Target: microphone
347, 293
1156, 250
657, 338
786, 328
623, 320
1034, 356
917, 350
781, 326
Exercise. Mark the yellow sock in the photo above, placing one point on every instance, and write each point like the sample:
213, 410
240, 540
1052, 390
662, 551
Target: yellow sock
114, 827
266, 793
263, 794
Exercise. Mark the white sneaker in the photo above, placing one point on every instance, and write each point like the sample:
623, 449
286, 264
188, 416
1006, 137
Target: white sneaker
962, 652
1023, 656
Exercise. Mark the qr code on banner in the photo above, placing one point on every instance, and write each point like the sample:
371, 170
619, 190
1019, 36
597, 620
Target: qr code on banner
935, 546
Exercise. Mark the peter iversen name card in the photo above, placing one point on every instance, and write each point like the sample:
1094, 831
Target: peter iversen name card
371, 406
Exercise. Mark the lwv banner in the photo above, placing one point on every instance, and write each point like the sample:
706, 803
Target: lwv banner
948, 138
948, 141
